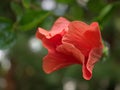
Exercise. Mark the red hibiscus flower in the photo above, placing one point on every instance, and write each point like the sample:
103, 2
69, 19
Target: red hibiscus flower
71, 43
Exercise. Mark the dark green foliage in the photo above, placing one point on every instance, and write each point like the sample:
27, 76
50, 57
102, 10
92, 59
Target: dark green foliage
31, 19
7, 37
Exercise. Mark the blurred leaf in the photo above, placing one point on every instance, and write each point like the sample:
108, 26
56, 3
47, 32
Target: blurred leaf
65, 1
17, 9
70, 72
4, 22
105, 12
47, 23
6, 34
117, 4
96, 5
31, 19
117, 23
73, 13
26, 3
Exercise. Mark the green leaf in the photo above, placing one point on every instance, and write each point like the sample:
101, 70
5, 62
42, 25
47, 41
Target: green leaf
31, 19
5, 23
96, 5
47, 23
105, 12
6, 35
65, 1
26, 3
17, 9
73, 13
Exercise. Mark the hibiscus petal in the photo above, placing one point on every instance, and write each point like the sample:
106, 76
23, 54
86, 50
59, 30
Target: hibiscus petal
71, 50
41, 33
75, 35
60, 24
83, 36
94, 56
49, 41
55, 61
93, 35
66, 55
52, 43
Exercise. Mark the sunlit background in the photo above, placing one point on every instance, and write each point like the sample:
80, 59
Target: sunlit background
21, 53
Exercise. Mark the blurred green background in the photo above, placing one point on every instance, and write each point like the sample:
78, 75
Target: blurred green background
21, 53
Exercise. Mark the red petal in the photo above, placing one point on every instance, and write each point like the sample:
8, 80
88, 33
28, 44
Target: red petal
52, 43
41, 33
55, 61
71, 51
66, 55
83, 36
93, 35
52, 38
60, 24
94, 56
49, 41
75, 35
